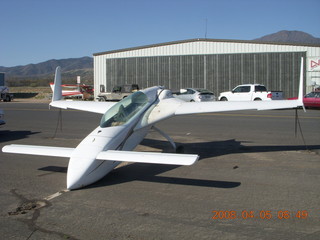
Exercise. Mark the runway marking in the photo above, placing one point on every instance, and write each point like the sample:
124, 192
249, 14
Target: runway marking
57, 194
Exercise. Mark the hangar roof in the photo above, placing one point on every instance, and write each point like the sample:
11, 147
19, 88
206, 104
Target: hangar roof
204, 40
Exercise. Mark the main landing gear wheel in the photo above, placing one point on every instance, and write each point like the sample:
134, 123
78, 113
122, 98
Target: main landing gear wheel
180, 149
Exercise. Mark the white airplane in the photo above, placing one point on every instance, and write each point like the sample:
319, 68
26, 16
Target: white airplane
124, 125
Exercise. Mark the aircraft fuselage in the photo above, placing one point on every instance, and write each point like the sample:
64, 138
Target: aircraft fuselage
120, 129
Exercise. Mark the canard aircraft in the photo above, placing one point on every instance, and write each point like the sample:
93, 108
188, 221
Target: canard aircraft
125, 124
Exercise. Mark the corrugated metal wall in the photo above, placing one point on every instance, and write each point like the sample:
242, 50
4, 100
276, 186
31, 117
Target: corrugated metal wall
216, 72
207, 46
167, 60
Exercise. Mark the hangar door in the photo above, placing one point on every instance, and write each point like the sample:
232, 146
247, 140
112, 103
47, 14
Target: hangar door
216, 72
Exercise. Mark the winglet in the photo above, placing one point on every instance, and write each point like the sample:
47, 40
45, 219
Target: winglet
300, 96
57, 90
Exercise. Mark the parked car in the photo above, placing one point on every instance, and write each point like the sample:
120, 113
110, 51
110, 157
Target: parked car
250, 92
195, 95
311, 100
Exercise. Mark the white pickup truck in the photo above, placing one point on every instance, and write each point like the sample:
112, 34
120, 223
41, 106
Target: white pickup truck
250, 92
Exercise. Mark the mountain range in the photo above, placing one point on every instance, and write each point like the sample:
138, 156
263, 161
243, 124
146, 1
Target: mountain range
290, 37
42, 73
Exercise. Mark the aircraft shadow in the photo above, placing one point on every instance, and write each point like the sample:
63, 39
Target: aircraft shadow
54, 169
219, 148
149, 172
7, 135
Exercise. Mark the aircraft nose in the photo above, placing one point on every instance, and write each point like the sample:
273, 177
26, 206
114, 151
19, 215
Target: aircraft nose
72, 184
83, 162
83, 168
74, 179
82, 171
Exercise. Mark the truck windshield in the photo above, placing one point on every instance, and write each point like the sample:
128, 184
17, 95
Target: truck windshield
124, 110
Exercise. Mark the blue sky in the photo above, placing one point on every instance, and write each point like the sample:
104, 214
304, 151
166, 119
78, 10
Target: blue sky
34, 31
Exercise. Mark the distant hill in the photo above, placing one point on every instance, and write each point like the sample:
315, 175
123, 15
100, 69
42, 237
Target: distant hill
290, 37
42, 73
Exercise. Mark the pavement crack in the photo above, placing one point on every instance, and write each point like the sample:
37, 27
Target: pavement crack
27, 205
31, 210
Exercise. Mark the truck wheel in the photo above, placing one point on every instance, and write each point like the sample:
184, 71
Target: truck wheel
7, 99
257, 99
180, 149
101, 99
223, 99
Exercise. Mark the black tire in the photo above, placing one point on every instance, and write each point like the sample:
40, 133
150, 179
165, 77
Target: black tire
257, 99
7, 99
223, 99
180, 149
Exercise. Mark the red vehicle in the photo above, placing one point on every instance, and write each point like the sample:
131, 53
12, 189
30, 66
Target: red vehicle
311, 100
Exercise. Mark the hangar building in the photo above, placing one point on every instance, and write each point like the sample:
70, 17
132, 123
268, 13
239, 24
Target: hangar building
217, 65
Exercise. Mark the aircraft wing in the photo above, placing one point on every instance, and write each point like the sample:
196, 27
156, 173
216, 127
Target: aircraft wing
38, 150
148, 157
211, 107
96, 107
109, 155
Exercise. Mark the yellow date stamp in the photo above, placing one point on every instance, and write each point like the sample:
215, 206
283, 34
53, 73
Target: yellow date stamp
263, 214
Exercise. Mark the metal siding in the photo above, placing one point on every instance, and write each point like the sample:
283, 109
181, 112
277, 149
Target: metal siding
198, 71
235, 69
193, 48
131, 70
186, 72
99, 73
218, 73
164, 76
248, 68
218, 66
210, 72
153, 71
175, 72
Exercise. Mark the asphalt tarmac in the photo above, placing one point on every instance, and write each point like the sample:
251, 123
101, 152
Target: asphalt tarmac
254, 180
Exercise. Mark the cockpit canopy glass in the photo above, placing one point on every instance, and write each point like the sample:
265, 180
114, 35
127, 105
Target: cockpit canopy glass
125, 110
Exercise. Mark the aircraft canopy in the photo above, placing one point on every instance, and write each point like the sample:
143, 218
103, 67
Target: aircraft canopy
125, 110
